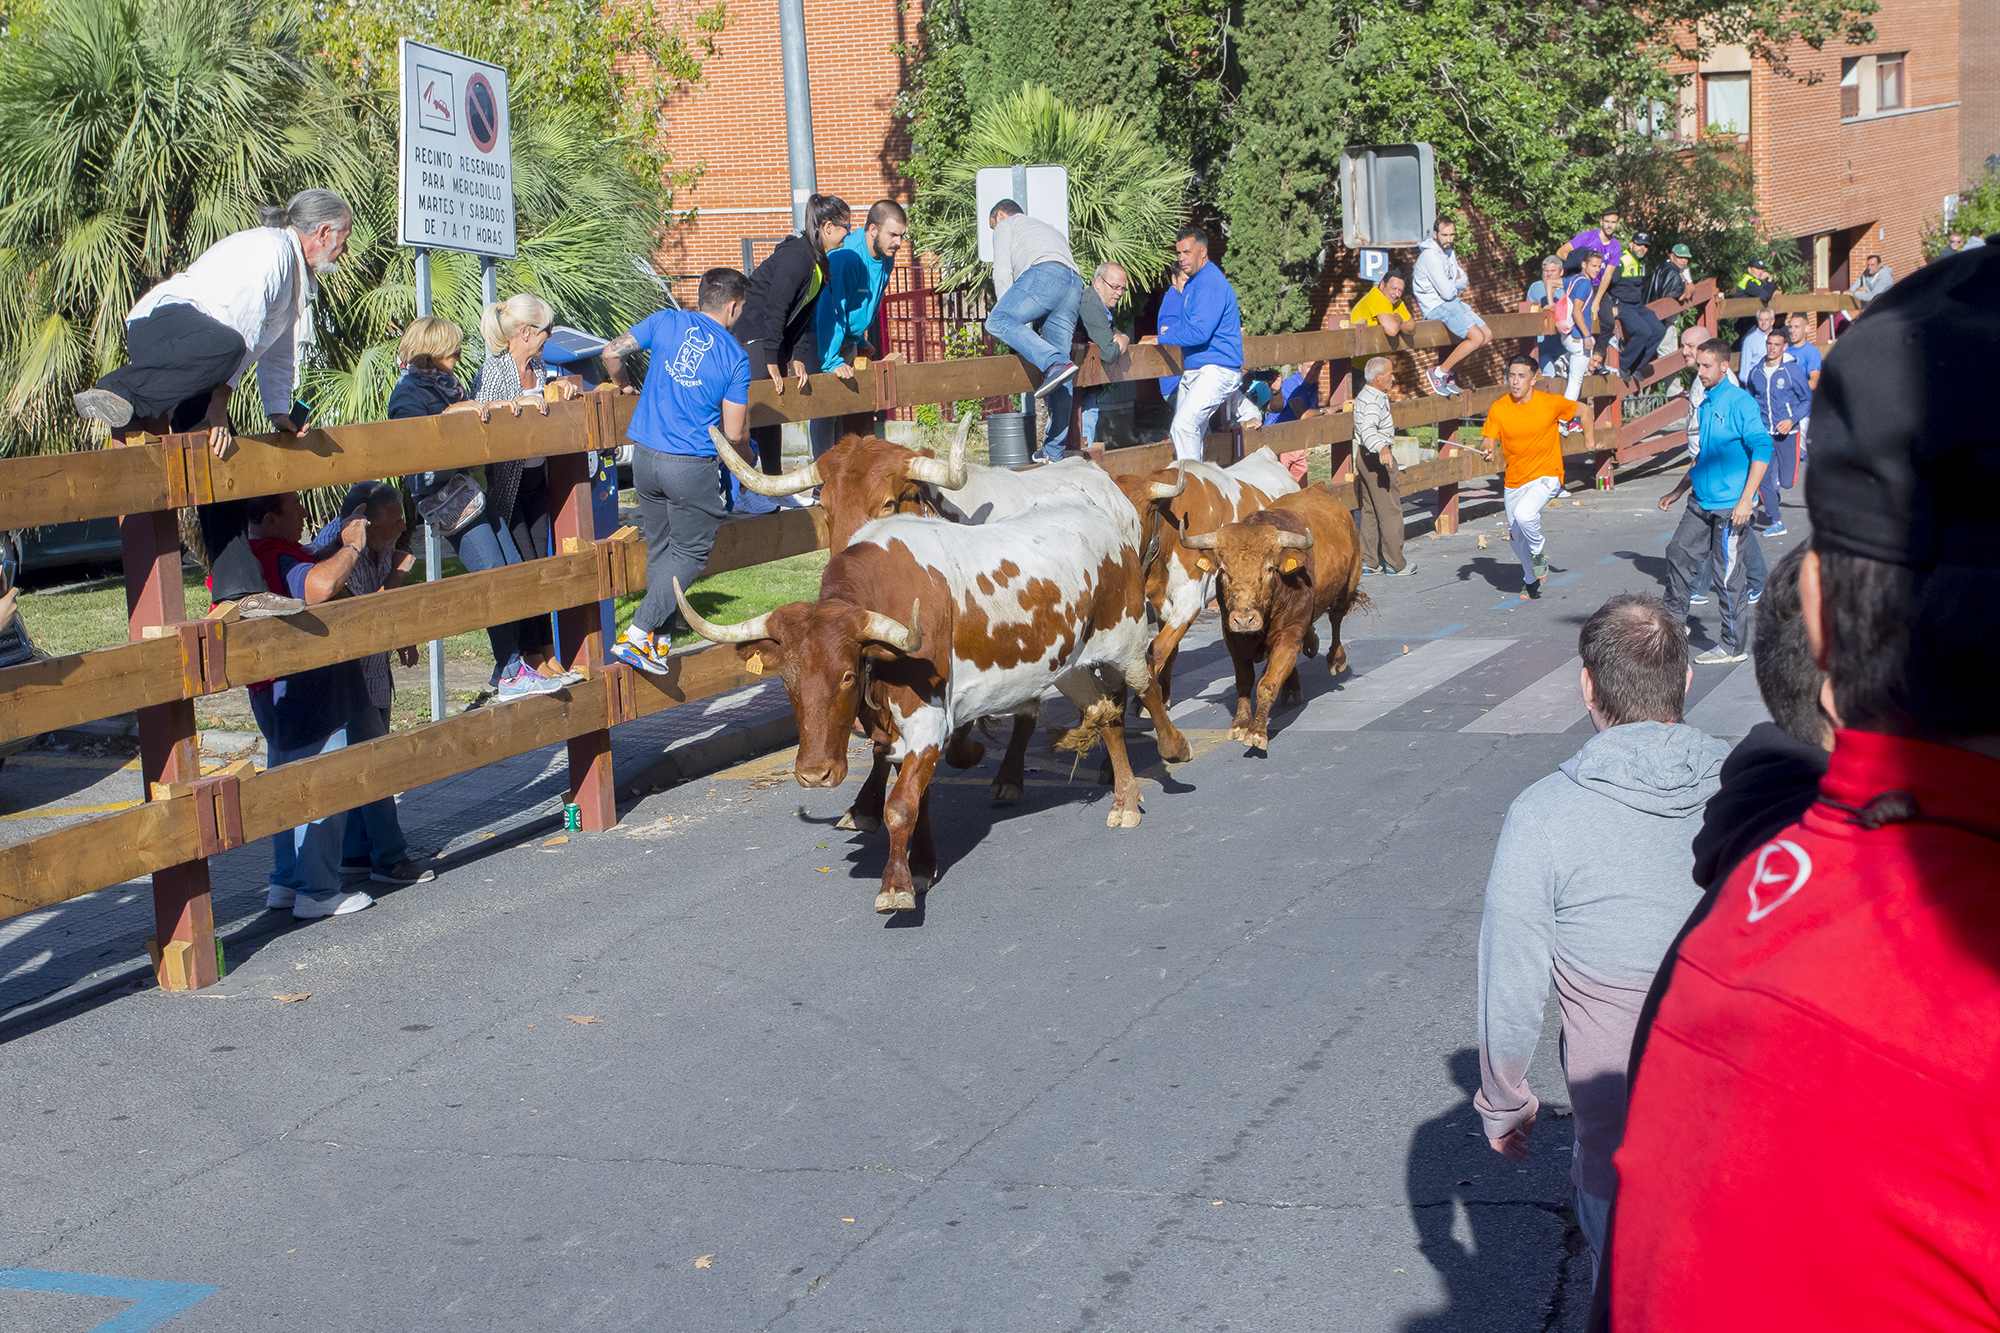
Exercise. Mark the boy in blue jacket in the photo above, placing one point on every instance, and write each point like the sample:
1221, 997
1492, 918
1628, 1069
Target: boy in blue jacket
1782, 387
856, 275
1735, 453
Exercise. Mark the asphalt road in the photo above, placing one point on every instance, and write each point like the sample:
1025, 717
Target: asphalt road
1213, 1072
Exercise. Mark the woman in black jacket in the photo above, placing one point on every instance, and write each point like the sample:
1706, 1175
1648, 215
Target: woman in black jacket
776, 326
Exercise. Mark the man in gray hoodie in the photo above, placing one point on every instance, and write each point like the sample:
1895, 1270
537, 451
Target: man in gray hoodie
1590, 883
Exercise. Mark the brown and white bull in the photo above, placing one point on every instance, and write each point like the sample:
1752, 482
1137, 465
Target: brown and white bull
1051, 595
1277, 572
863, 478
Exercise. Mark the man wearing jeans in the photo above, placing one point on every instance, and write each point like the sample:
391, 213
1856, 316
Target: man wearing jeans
698, 379
1440, 282
1735, 451
1524, 424
1209, 331
1035, 282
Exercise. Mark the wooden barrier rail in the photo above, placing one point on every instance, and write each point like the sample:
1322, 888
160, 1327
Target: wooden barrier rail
188, 818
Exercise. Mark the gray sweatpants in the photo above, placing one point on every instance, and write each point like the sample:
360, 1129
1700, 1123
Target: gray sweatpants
680, 506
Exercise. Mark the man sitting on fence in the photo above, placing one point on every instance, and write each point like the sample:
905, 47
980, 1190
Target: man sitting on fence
1440, 282
310, 712
245, 301
698, 380
1036, 288
857, 273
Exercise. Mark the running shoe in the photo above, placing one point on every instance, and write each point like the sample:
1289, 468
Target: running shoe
1755, 594
1367, 569
1699, 599
1777, 529
1451, 382
404, 871
1439, 384
1409, 568
1541, 566
338, 903
1056, 378
526, 683
642, 650
1720, 657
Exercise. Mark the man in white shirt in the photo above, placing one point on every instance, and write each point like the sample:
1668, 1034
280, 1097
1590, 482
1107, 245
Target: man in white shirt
245, 302
1751, 351
1439, 281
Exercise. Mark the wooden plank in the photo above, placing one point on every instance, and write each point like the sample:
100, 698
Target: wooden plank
42, 696
1787, 302
742, 542
63, 488
95, 854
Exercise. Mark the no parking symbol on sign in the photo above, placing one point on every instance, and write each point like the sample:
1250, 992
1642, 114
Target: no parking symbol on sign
457, 174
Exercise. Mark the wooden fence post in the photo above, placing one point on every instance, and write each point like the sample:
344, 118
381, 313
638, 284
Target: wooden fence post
591, 785
169, 745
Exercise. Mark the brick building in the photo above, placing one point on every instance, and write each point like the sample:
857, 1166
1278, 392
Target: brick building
733, 127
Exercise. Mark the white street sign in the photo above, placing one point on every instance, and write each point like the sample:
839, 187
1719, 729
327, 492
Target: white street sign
1042, 193
456, 183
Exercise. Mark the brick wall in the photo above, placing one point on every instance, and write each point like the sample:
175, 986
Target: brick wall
1978, 85
734, 126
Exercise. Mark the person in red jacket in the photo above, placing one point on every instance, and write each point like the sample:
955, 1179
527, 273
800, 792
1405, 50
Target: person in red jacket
1813, 1139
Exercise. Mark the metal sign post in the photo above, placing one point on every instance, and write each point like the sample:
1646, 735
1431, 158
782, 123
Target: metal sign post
433, 548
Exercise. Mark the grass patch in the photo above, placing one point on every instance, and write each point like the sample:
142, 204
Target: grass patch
739, 594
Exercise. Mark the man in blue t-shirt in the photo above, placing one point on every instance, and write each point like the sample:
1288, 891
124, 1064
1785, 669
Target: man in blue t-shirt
1735, 451
697, 380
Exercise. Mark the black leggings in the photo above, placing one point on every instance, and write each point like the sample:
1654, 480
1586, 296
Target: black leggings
770, 440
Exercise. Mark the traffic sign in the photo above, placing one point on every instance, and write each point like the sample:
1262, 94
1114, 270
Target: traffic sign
1388, 195
1042, 193
456, 183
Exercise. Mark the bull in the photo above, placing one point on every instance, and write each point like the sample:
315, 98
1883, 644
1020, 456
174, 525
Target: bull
863, 478
1277, 572
1052, 595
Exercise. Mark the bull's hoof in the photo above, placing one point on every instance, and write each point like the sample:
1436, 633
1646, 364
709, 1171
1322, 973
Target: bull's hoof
1257, 740
1174, 749
1337, 661
896, 900
1006, 793
1239, 732
1121, 818
859, 823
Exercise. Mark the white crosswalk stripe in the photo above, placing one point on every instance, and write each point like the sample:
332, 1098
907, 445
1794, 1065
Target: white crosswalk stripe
1356, 702
1553, 703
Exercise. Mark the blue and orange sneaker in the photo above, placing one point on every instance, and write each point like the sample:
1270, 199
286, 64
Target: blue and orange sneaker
641, 649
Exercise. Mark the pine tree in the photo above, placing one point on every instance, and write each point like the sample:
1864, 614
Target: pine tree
1089, 53
1278, 183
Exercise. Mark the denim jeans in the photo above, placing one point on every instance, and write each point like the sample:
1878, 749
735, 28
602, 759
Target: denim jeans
487, 544
284, 856
374, 834
1045, 295
1754, 569
316, 846
1089, 418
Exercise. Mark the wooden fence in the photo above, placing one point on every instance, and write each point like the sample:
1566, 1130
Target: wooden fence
171, 662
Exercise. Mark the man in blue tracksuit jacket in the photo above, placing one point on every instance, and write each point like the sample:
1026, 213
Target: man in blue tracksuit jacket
844, 318
1782, 386
1735, 453
1208, 328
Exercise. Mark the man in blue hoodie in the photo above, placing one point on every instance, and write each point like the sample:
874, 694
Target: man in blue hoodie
1735, 453
856, 275
1208, 328
1782, 386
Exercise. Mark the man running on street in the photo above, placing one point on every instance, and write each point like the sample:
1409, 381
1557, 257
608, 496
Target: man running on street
1735, 451
1524, 422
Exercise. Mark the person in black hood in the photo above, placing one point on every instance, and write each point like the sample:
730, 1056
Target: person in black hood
776, 326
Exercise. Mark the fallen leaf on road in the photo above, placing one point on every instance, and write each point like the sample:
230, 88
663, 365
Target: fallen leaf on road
753, 849
482, 835
582, 1019
847, 1219
293, 999
824, 869
559, 838
1216, 1204
1482, 541
702, 1261
1406, 647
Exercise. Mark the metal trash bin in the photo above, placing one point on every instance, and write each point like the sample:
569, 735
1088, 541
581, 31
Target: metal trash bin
1009, 440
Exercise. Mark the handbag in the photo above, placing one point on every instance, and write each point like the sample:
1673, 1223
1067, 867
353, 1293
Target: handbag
454, 506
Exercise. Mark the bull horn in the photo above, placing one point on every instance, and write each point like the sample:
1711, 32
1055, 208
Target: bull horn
950, 474
1162, 491
1199, 541
748, 632
1294, 541
885, 630
755, 479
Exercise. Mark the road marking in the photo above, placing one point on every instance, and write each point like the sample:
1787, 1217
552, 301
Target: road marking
1390, 686
1552, 704
63, 810
157, 1301
1730, 709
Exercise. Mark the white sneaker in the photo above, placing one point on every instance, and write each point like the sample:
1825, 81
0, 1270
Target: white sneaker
307, 906
279, 896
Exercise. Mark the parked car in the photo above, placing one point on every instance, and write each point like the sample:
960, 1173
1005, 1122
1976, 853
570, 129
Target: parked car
16, 648
91, 542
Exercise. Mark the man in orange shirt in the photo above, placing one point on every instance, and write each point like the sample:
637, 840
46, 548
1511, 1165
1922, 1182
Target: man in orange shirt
1524, 422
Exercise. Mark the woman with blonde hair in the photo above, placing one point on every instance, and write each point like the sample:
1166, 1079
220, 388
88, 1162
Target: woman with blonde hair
430, 386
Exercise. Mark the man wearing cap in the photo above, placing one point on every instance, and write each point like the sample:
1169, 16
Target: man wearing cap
1756, 284
1670, 281
1628, 306
1811, 1133
1735, 451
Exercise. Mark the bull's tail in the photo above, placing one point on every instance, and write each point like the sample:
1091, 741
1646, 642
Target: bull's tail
1361, 601
1090, 729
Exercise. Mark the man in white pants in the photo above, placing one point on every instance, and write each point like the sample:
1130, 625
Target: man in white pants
1524, 422
1208, 329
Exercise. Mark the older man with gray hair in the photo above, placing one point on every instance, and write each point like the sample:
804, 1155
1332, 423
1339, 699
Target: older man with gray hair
1375, 474
247, 301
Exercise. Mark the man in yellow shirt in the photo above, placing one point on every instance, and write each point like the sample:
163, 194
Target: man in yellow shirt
1382, 307
1524, 422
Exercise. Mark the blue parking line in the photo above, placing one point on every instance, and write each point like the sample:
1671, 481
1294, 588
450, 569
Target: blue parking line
157, 1302
1610, 559
1446, 632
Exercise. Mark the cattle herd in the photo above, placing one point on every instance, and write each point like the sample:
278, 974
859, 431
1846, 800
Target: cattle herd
957, 593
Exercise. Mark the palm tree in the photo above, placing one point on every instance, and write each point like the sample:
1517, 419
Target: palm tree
1127, 195
133, 134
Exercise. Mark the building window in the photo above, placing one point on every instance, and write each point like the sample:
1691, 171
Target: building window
1728, 100
1850, 87
1888, 83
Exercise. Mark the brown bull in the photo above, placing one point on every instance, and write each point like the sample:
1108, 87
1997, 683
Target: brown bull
1278, 571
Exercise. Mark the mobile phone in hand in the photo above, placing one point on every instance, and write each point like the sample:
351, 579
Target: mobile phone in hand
301, 413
